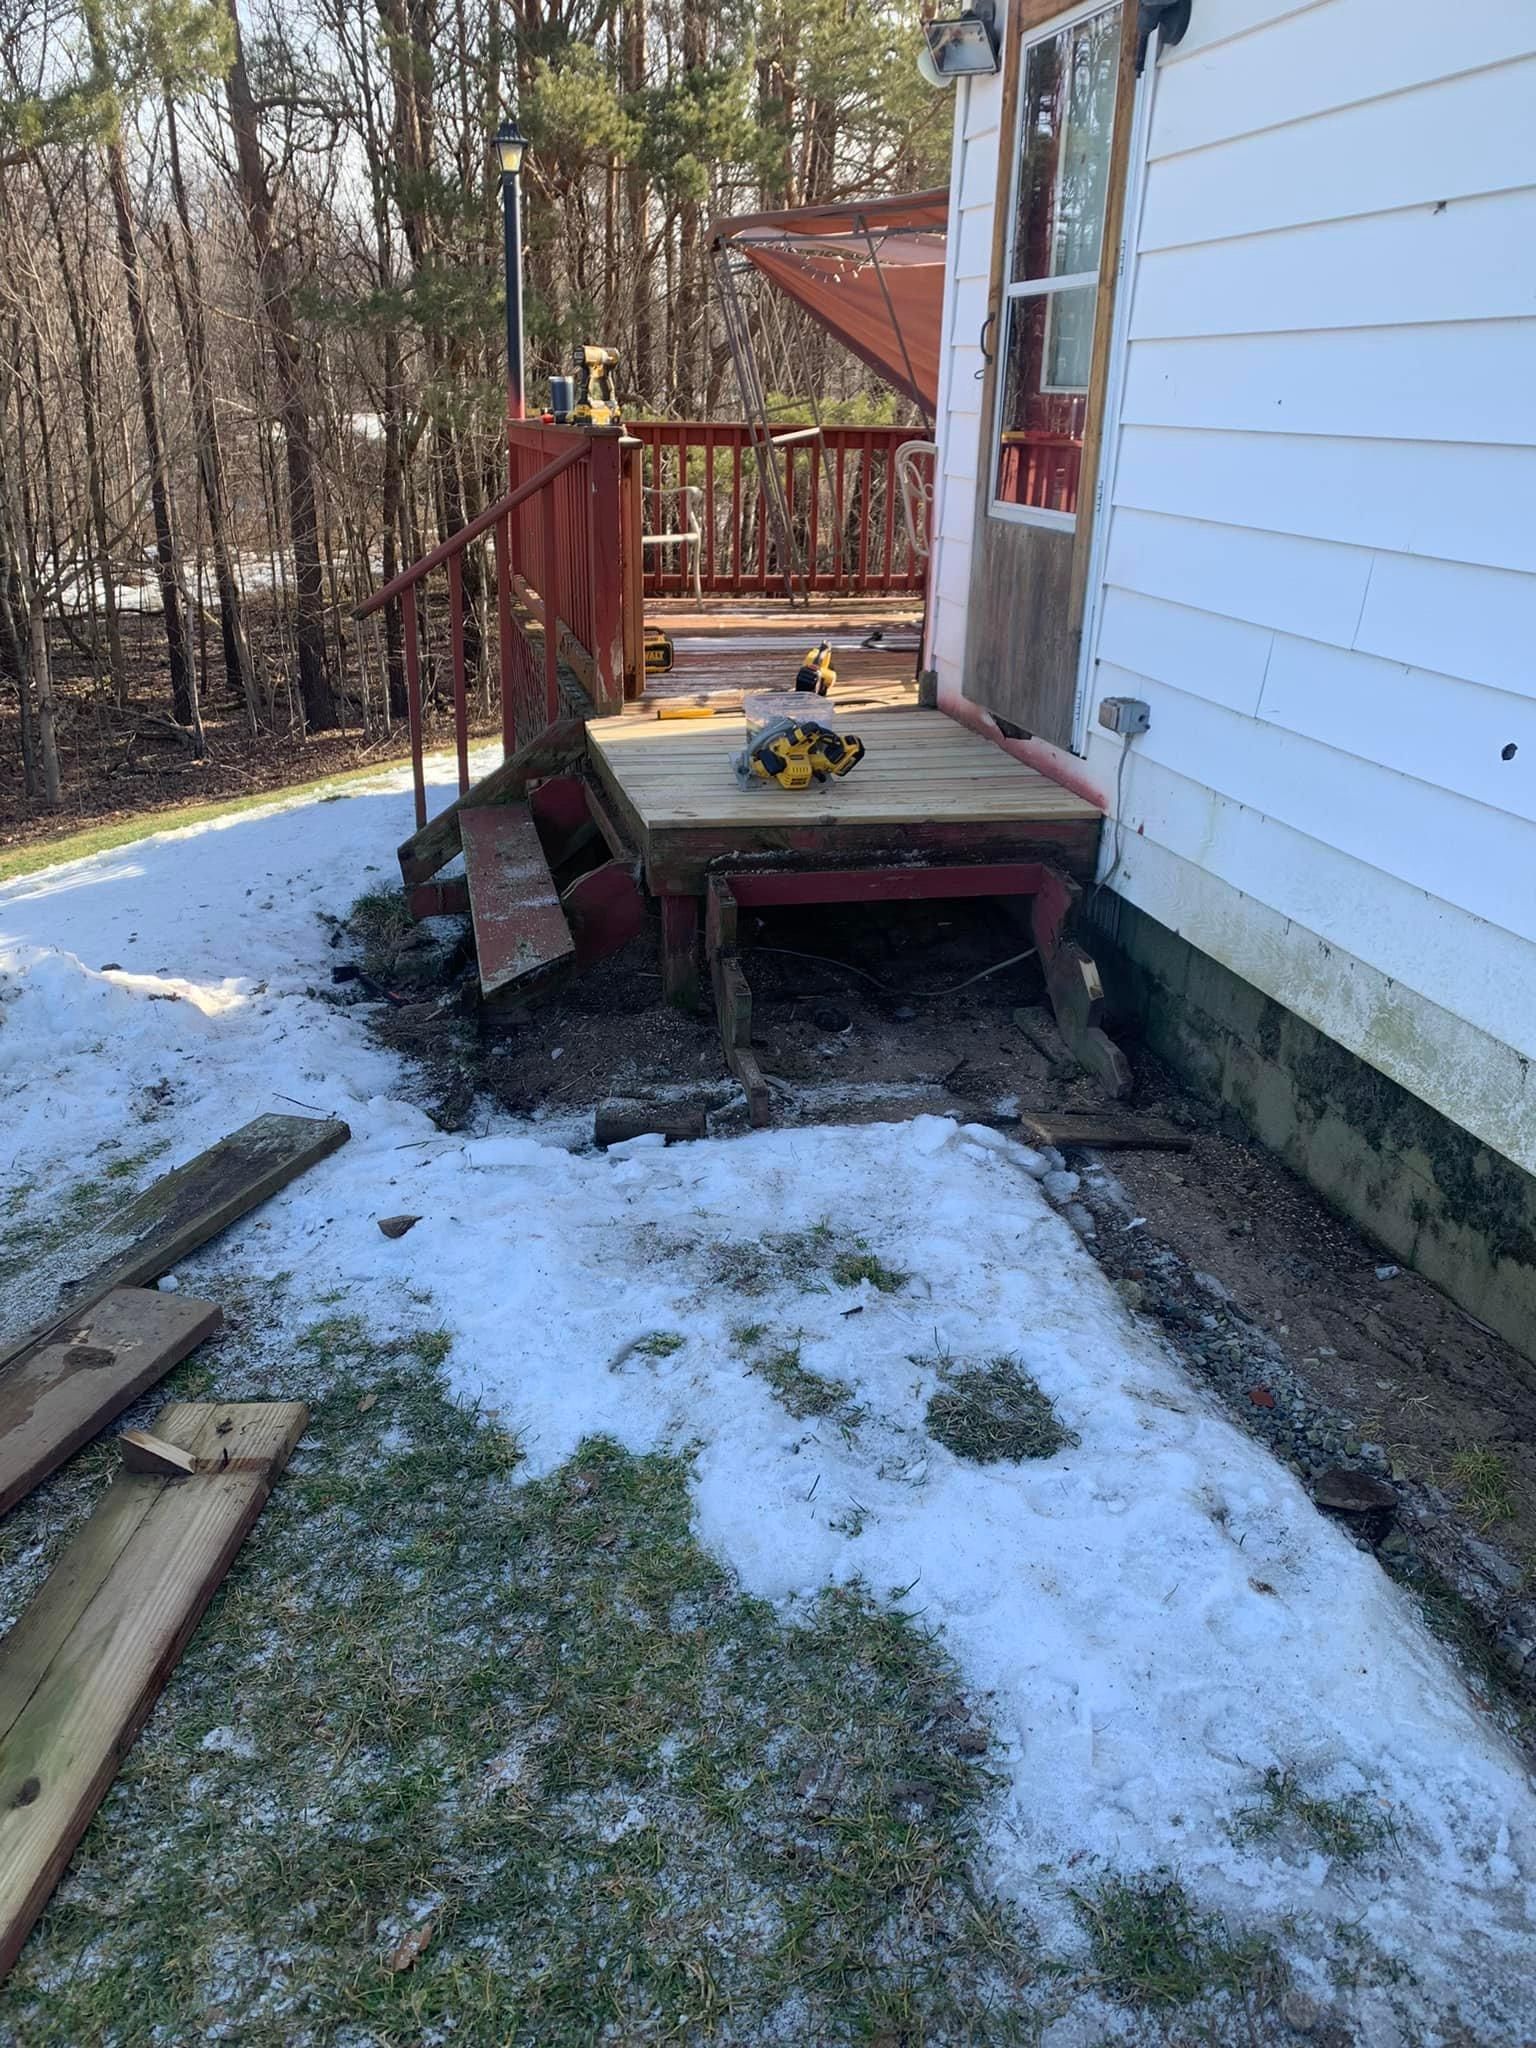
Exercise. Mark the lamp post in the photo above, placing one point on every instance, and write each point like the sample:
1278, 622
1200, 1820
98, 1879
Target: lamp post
510, 146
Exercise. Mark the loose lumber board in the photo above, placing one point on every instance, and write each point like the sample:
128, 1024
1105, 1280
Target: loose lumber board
557, 750
62, 1392
81, 1669
1103, 1131
513, 903
182, 1210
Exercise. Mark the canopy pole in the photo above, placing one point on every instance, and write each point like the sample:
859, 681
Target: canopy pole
754, 405
890, 311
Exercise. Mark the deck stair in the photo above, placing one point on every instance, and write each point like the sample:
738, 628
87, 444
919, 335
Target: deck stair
520, 927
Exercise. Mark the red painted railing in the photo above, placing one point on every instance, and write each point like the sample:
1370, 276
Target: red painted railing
845, 509
558, 542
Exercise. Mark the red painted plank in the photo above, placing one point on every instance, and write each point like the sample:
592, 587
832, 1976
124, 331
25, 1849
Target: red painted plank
519, 925
606, 909
896, 883
439, 899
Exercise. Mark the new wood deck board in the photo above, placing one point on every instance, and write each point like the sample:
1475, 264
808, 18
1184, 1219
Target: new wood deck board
83, 1666
921, 767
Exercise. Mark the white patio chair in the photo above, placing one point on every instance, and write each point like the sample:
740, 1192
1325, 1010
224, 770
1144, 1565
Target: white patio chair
690, 537
916, 488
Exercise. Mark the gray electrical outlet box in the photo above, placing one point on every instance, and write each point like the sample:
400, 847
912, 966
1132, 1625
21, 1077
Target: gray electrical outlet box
1125, 715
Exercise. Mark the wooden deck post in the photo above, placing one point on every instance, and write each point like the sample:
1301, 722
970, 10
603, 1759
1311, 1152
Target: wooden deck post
680, 950
733, 999
606, 506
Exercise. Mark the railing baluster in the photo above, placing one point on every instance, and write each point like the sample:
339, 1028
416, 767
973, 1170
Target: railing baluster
865, 467
601, 480
840, 524
736, 552
707, 566
890, 517
813, 470
762, 533
858, 532
504, 631
460, 680
550, 598
413, 697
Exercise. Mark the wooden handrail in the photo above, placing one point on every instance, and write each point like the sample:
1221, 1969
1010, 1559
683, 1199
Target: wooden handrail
483, 522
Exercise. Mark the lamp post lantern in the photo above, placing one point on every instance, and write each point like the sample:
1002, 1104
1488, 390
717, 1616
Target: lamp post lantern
510, 146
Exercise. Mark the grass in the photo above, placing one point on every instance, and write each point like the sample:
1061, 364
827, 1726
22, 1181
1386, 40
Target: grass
1152, 1948
1465, 1631
47, 853
796, 1387
1347, 1828
996, 1411
812, 1259
850, 1269
380, 917
534, 1723
1485, 1482
660, 1344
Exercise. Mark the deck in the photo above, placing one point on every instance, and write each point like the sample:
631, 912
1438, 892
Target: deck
927, 786
620, 802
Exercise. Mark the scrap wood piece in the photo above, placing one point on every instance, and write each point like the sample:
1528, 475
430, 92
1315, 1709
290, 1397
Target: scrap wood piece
62, 1392
81, 1669
142, 1451
185, 1208
616, 1121
1103, 1131
1073, 985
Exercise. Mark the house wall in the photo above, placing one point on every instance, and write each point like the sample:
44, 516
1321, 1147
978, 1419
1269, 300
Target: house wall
1319, 566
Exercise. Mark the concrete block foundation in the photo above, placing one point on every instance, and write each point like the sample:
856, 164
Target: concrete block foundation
1438, 1199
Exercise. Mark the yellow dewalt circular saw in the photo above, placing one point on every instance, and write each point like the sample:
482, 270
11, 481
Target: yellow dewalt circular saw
795, 753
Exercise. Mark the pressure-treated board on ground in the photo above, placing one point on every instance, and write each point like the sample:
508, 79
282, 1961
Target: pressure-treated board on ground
81, 1669
60, 1393
176, 1214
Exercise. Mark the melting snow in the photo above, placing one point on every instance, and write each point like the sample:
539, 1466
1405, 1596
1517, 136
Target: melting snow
1157, 1614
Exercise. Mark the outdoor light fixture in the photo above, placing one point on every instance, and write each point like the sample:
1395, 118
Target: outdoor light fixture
964, 47
510, 145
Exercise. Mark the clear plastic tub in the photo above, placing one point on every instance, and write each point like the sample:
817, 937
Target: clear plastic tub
765, 707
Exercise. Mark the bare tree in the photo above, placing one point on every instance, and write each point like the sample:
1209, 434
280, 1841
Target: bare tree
282, 326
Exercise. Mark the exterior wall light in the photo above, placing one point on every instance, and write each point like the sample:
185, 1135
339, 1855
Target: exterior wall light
964, 47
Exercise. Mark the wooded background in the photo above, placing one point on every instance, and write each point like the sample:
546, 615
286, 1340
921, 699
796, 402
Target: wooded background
252, 311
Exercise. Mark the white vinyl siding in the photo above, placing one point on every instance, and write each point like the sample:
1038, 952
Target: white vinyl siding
968, 278
1320, 569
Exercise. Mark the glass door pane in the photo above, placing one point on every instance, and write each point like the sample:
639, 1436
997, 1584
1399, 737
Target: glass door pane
1045, 398
1066, 117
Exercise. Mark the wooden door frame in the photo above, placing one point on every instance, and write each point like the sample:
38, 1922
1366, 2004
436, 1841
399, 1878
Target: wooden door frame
1025, 17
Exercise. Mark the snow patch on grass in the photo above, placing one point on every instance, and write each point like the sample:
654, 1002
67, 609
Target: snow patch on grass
1154, 1613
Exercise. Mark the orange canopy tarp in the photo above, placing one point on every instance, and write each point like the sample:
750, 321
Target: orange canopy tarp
870, 272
